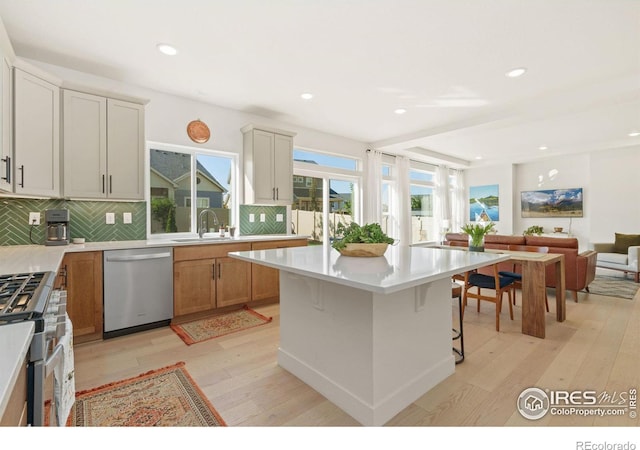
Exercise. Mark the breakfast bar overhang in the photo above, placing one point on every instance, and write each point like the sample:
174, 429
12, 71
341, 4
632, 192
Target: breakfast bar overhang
370, 334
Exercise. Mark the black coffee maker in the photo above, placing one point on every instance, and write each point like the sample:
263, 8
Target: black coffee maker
57, 221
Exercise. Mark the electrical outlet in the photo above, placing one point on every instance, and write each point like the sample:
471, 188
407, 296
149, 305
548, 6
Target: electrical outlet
34, 218
126, 217
110, 218
252, 218
279, 218
263, 217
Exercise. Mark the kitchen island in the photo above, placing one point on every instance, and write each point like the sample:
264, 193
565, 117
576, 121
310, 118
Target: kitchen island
370, 334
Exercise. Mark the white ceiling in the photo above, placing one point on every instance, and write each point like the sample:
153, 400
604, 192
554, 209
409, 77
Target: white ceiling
442, 60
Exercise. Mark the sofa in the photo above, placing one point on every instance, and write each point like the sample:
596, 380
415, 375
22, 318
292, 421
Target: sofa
580, 268
623, 254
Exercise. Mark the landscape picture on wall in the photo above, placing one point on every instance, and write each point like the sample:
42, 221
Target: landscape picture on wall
484, 203
552, 203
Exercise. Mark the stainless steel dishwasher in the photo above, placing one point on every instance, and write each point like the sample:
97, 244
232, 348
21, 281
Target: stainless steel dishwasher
138, 290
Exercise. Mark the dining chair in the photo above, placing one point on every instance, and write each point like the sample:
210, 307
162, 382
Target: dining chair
499, 284
517, 276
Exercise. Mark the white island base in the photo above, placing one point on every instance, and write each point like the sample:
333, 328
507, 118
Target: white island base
371, 354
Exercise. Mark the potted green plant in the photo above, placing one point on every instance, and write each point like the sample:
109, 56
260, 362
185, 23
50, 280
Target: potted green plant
477, 231
365, 240
533, 229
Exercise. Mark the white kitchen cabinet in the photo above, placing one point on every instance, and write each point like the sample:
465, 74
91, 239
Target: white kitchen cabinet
36, 139
84, 145
125, 149
103, 147
6, 150
268, 165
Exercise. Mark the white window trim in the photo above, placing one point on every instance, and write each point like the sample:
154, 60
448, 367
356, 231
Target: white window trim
193, 151
327, 173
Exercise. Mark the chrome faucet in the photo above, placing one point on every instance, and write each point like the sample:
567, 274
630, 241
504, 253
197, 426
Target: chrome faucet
202, 229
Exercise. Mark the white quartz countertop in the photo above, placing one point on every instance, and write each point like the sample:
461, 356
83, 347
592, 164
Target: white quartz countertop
41, 258
401, 267
14, 342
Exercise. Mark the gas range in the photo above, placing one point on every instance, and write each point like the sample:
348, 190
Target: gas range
31, 296
25, 296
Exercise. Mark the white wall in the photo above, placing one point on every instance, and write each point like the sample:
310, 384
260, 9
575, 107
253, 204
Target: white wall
167, 116
609, 178
610, 184
503, 176
572, 172
615, 184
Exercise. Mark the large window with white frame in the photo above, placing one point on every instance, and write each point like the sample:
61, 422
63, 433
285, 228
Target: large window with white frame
326, 191
179, 174
422, 189
426, 224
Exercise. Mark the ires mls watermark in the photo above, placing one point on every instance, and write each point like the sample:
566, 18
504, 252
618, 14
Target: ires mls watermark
535, 403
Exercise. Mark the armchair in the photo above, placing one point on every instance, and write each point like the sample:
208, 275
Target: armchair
608, 259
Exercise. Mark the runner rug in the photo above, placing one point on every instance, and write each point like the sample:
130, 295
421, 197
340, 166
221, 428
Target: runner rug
613, 287
166, 397
213, 327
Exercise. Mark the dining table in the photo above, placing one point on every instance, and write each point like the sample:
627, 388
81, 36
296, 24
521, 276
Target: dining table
534, 267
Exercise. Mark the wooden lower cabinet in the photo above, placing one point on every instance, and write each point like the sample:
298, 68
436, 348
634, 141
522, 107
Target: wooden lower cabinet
266, 280
15, 413
205, 278
233, 285
194, 286
81, 276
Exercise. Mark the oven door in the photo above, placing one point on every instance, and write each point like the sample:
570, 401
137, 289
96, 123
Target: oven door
48, 354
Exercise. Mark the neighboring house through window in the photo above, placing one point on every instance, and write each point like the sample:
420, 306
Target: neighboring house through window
177, 175
325, 191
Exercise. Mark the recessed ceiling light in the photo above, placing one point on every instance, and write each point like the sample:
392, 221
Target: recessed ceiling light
400, 111
634, 133
306, 96
167, 49
478, 157
515, 73
543, 147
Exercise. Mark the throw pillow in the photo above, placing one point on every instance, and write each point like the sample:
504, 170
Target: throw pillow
624, 241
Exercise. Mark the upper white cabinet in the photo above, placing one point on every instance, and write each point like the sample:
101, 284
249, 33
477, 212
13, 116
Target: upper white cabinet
103, 147
6, 150
84, 145
268, 165
36, 139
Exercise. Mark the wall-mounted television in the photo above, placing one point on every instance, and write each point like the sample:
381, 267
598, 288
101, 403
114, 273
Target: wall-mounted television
551, 203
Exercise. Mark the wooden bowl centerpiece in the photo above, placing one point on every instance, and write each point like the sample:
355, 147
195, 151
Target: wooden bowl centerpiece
361, 241
367, 250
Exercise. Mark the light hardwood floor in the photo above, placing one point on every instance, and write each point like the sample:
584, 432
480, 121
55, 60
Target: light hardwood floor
596, 348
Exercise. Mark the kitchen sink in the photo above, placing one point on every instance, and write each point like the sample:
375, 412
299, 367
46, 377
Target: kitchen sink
204, 239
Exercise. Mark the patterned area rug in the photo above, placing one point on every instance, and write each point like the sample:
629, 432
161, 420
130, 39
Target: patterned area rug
213, 327
165, 397
613, 287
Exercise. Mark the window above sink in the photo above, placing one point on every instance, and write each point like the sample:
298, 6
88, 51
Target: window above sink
183, 181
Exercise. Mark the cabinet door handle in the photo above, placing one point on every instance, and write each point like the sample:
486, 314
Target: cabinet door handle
273, 193
65, 276
7, 178
110, 185
277, 194
21, 176
219, 271
103, 183
214, 270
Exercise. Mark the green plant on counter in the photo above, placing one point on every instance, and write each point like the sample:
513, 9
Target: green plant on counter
355, 234
477, 232
533, 229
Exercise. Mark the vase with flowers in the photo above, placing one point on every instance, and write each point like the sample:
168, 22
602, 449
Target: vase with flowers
476, 232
